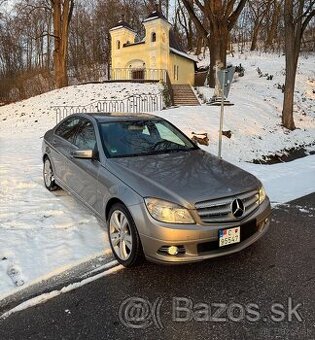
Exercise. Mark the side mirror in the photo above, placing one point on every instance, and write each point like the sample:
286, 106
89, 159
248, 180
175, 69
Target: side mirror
84, 154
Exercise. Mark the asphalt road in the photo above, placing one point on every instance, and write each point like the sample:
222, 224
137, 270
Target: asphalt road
263, 292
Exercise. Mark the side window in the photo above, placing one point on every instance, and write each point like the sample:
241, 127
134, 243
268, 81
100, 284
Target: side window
68, 128
153, 37
118, 45
85, 136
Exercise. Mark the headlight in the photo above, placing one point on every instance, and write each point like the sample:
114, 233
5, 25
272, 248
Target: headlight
167, 212
262, 194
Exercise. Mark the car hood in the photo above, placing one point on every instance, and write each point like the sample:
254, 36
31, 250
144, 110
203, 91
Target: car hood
184, 177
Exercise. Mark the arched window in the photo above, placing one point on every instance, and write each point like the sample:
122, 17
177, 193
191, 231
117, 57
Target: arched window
153, 37
118, 44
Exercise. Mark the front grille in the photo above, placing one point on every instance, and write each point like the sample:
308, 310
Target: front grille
220, 210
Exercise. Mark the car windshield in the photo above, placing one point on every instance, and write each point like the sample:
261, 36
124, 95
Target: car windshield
142, 137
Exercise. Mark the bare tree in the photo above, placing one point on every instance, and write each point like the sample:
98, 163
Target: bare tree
297, 15
62, 12
183, 23
35, 35
273, 24
163, 6
243, 29
259, 10
221, 16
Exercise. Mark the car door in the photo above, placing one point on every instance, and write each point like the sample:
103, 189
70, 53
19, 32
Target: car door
82, 174
61, 143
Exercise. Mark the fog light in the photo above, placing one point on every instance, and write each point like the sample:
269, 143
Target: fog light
172, 250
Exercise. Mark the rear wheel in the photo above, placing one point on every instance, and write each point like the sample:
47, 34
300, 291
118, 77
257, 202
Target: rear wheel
123, 236
48, 175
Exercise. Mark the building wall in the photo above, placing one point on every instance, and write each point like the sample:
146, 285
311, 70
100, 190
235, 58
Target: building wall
157, 51
120, 36
149, 55
133, 56
181, 70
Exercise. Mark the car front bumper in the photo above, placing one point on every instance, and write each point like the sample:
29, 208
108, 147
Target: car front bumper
196, 242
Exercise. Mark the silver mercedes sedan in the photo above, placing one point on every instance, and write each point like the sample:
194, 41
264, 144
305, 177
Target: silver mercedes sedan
161, 197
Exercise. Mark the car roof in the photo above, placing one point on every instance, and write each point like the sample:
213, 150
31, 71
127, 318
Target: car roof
117, 116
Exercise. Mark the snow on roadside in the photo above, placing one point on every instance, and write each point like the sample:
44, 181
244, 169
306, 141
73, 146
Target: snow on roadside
40, 232
285, 182
48, 296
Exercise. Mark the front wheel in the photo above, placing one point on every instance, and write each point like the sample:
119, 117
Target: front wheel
48, 174
123, 236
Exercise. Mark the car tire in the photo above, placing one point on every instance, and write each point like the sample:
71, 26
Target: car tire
123, 236
48, 175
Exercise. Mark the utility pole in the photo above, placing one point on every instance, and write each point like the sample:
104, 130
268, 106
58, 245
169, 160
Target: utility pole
223, 81
221, 112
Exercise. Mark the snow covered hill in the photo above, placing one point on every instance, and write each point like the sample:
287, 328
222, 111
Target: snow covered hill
41, 233
36, 113
255, 119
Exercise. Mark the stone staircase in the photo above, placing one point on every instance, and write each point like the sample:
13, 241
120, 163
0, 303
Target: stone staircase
184, 95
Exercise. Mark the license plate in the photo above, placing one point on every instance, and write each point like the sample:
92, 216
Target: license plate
229, 236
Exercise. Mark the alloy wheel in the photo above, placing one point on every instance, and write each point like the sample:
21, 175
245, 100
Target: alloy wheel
120, 235
48, 173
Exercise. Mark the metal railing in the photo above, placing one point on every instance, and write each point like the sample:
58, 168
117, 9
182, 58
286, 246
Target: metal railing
138, 103
138, 74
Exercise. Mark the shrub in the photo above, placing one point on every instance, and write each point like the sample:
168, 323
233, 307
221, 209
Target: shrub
240, 70
166, 95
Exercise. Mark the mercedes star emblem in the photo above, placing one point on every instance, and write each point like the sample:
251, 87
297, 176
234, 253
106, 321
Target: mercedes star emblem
237, 208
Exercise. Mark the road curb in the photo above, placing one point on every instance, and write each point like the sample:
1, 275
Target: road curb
70, 276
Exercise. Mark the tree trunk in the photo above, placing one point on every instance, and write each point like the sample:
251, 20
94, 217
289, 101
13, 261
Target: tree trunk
271, 34
61, 19
200, 45
255, 37
296, 18
222, 17
288, 102
291, 58
217, 47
